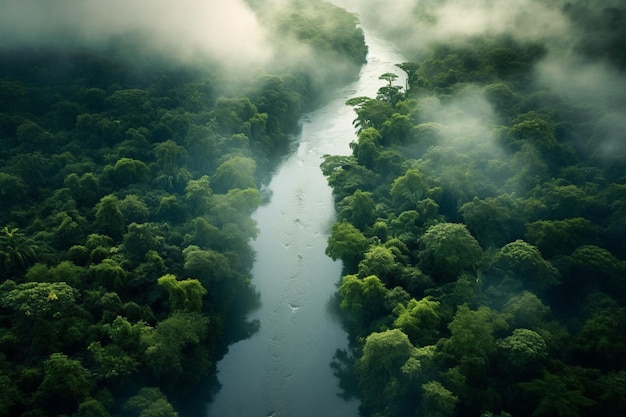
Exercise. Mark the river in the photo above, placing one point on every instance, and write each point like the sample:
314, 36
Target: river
283, 370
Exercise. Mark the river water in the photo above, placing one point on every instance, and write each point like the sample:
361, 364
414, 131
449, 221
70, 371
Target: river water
283, 370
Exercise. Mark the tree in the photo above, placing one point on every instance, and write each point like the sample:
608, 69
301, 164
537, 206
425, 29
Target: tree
174, 349
183, 295
208, 266
370, 112
92, 408
236, 172
408, 189
472, 340
382, 370
492, 220
366, 150
357, 209
397, 129
412, 75
437, 401
109, 218
523, 349
12, 190
139, 239
419, 320
134, 209
347, 243
597, 265
65, 378
130, 171
363, 298
524, 263
379, 261
108, 274
560, 236
557, 396
170, 156
526, 311
447, 249
150, 402
198, 195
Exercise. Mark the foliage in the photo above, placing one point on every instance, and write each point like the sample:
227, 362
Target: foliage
486, 258
123, 168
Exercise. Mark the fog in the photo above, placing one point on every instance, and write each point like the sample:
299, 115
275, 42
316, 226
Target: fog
593, 83
226, 30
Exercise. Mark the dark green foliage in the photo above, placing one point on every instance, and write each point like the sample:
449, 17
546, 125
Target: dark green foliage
489, 279
121, 169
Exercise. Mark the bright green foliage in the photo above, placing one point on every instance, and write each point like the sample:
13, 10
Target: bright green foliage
37, 300
525, 263
130, 171
198, 195
523, 347
357, 209
370, 112
388, 362
237, 172
108, 274
408, 189
364, 298
447, 249
437, 401
419, 320
121, 165
472, 340
347, 243
379, 261
366, 149
112, 361
183, 295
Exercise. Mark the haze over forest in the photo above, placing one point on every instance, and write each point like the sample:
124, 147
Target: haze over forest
486, 193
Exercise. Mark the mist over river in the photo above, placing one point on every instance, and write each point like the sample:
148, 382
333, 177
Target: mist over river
283, 370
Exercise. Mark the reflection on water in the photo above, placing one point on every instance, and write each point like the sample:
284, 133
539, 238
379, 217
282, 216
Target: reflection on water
284, 369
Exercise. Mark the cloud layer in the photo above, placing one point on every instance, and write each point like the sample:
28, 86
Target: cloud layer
223, 29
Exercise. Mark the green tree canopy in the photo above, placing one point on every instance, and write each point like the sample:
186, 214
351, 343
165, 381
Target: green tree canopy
447, 249
524, 263
184, 295
347, 243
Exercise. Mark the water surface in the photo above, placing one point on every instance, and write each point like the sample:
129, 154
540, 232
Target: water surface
283, 370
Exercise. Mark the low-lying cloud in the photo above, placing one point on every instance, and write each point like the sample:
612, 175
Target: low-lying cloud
226, 30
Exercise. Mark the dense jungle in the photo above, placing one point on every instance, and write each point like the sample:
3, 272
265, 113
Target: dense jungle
481, 218
127, 180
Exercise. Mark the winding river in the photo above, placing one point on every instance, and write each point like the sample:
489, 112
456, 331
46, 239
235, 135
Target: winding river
283, 370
